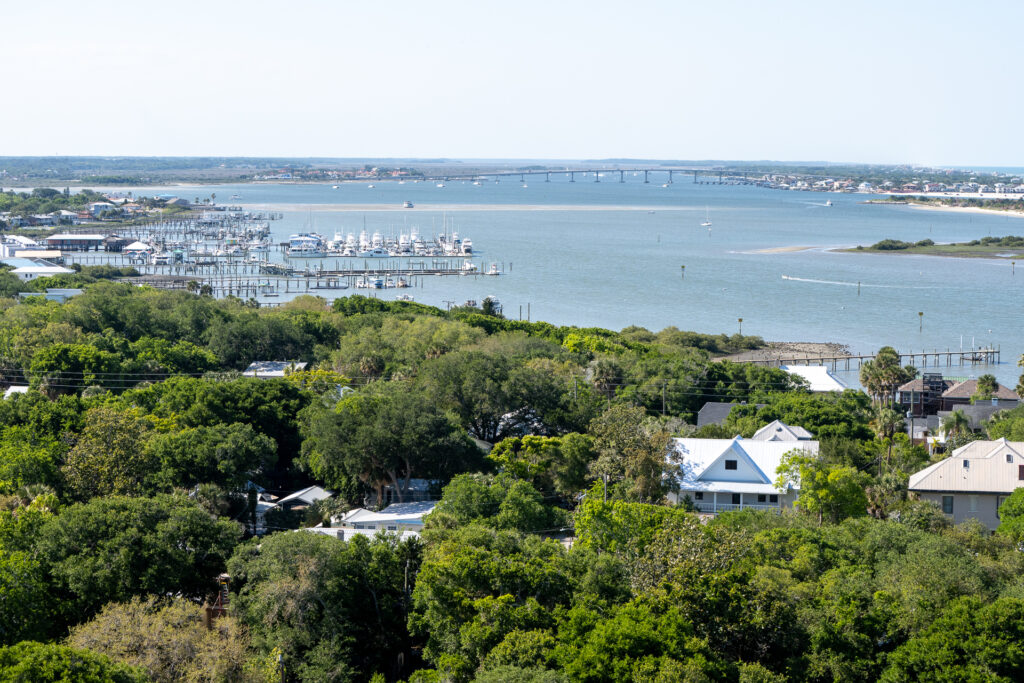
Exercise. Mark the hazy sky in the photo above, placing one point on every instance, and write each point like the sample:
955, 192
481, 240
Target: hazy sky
921, 82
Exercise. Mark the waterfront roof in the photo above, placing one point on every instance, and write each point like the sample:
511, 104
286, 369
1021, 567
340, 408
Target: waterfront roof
818, 377
968, 388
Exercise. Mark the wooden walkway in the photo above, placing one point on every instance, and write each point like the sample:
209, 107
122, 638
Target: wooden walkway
922, 359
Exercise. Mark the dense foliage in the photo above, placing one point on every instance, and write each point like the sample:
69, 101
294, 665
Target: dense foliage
129, 475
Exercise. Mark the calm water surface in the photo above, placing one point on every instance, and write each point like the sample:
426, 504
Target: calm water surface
615, 260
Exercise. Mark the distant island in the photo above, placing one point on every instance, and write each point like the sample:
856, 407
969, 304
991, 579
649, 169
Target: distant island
1008, 247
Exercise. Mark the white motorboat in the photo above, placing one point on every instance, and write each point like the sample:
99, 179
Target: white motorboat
493, 270
707, 219
440, 184
407, 204
828, 202
374, 252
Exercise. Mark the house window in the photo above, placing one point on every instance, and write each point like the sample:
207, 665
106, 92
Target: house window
1009, 458
698, 495
773, 498
730, 464
974, 503
735, 499
947, 505
1020, 472
762, 498
967, 464
392, 527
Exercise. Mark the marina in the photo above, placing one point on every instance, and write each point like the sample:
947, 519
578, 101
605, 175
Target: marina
606, 254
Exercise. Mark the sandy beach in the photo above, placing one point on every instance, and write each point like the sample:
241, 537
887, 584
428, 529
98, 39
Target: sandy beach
780, 250
783, 351
966, 209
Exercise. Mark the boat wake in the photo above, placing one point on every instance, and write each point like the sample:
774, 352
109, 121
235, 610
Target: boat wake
843, 283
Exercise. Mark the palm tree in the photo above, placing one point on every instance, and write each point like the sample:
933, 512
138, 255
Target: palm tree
986, 389
886, 422
882, 375
956, 423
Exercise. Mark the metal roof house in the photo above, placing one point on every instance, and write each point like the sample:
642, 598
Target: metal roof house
303, 498
780, 431
819, 378
402, 519
272, 368
974, 481
75, 242
733, 474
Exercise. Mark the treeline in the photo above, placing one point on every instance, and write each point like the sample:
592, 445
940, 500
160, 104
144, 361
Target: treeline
43, 200
130, 472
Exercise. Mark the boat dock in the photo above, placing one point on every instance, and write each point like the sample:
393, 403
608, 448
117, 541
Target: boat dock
921, 359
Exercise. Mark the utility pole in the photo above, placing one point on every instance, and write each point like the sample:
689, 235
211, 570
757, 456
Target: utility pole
741, 326
920, 319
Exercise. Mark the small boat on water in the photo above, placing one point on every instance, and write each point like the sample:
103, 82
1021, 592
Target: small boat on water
493, 270
334, 187
828, 202
440, 184
707, 219
407, 204
404, 297
370, 186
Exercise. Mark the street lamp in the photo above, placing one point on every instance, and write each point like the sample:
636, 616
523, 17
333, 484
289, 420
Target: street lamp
741, 326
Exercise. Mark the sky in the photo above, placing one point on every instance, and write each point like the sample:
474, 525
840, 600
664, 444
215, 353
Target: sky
877, 82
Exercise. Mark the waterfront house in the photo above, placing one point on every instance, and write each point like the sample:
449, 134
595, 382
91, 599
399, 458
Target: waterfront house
732, 474
974, 481
960, 395
74, 242
923, 396
96, 208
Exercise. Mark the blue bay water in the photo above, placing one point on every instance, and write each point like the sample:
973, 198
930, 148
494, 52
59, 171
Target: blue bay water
610, 254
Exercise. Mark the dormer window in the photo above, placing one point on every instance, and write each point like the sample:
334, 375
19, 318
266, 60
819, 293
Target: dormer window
1009, 458
730, 464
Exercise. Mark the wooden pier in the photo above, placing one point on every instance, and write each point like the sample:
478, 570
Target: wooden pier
920, 359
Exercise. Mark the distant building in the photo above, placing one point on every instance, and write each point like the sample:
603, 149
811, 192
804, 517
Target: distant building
74, 242
30, 269
780, 431
267, 369
715, 412
302, 499
974, 481
923, 396
58, 294
733, 474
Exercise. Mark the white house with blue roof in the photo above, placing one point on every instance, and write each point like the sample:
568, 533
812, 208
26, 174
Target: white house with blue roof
733, 474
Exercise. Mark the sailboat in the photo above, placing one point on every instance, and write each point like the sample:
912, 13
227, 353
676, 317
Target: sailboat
707, 219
